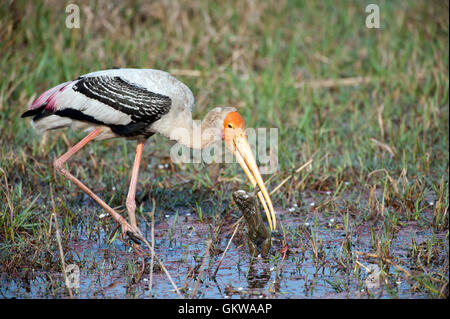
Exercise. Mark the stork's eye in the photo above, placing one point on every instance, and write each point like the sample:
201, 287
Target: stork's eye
230, 125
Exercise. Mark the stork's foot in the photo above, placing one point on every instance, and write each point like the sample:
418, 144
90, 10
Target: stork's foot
133, 237
134, 233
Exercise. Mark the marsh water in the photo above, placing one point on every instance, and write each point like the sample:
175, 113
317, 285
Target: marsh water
313, 255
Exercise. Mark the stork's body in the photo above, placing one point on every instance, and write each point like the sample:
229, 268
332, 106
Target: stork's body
132, 103
135, 104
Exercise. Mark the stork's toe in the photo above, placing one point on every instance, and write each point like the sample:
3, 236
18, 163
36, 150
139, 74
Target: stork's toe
134, 233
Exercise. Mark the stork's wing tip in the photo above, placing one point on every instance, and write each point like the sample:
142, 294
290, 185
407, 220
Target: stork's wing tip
28, 113
34, 111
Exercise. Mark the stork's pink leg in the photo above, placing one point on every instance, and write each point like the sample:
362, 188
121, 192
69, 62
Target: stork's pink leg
59, 165
131, 198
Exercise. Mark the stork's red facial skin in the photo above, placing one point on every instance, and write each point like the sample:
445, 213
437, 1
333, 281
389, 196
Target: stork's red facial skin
235, 120
237, 143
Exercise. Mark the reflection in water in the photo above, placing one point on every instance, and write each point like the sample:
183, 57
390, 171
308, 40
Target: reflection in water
107, 269
258, 274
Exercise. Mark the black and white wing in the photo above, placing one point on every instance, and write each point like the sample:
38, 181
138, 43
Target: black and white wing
143, 106
126, 100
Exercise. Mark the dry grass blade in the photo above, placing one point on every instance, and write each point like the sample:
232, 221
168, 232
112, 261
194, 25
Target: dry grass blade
182, 72
58, 239
237, 224
332, 83
380, 119
298, 170
384, 259
208, 247
150, 283
160, 263
384, 146
61, 254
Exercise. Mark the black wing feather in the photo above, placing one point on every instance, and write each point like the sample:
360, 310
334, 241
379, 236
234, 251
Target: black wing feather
138, 102
143, 106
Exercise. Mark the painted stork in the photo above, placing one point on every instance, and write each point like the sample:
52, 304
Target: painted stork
135, 104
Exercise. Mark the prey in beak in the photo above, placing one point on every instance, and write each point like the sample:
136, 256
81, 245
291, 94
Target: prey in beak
237, 143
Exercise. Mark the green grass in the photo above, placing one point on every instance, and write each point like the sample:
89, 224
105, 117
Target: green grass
380, 147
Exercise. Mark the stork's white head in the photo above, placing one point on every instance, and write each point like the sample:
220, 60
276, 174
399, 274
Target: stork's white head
231, 126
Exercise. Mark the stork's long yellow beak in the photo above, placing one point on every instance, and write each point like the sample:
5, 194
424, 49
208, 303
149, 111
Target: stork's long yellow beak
237, 142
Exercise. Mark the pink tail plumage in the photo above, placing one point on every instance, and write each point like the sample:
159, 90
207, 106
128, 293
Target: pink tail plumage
45, 101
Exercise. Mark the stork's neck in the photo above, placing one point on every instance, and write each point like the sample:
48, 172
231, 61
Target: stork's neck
198, 134
188, 132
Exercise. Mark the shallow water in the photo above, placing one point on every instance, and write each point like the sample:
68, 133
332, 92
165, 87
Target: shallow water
110, 271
